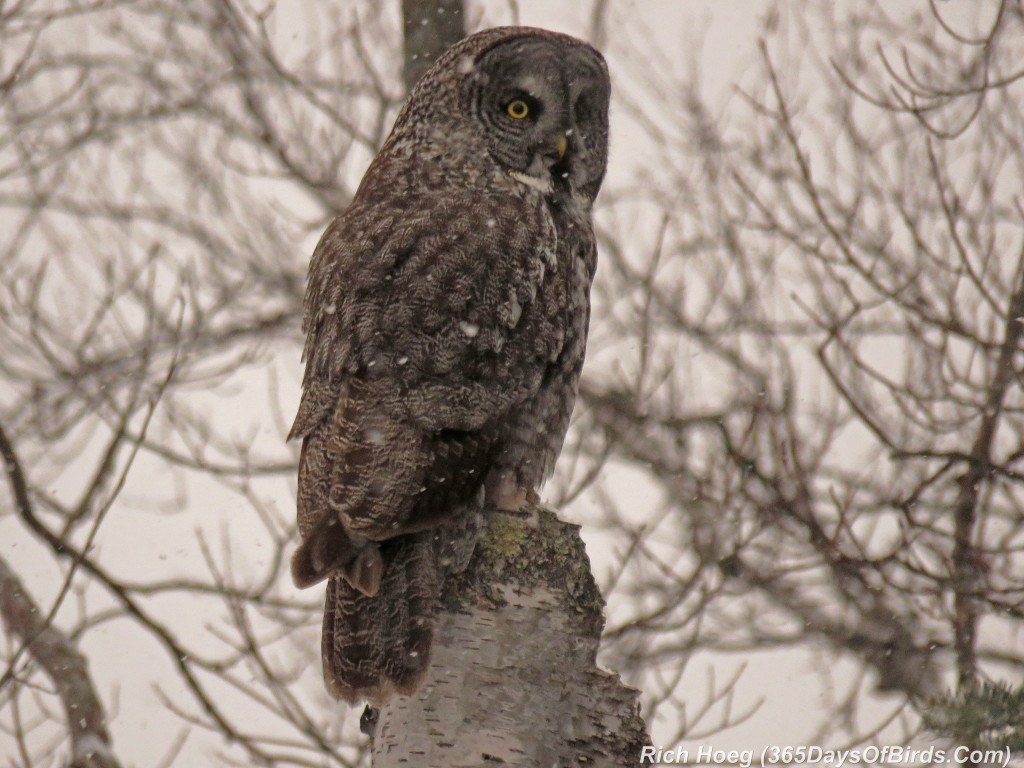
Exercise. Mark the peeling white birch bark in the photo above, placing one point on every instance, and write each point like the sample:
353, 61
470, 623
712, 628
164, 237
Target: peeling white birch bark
513, 679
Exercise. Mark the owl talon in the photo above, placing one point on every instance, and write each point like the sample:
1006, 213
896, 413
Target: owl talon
324, 550
506, 495
366, 571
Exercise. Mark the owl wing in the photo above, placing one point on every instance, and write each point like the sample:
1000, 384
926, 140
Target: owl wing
420, 338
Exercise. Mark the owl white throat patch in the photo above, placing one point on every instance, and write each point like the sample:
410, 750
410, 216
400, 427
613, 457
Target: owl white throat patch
540, 183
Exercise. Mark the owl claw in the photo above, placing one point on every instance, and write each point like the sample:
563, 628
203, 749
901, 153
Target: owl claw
366, 571
321, 553
506, 495
330, 550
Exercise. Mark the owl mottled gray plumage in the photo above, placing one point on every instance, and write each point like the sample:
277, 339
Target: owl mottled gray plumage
446, 318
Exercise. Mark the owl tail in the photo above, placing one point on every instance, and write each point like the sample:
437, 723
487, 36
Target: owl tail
380, 645
376, 646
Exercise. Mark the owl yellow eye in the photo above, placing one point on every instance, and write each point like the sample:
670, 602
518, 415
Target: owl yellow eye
517, 109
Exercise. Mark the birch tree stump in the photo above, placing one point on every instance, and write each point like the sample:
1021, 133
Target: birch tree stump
513, 679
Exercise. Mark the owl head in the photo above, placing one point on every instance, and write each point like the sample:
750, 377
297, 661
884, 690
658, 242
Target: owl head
534, 102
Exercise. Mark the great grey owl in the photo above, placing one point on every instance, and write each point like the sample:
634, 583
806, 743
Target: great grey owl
446, 317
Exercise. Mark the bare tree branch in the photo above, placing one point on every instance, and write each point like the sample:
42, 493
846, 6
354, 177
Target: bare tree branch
91, 746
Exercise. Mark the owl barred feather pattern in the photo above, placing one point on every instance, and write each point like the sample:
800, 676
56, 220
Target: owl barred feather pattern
446, 317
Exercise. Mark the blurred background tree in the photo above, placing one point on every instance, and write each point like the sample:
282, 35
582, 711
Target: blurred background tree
798, 445
826, 372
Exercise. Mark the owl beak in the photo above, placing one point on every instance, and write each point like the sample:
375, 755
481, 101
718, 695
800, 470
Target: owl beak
549, 155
